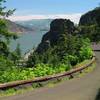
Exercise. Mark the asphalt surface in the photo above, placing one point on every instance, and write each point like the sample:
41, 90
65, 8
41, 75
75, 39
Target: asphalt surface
84, 88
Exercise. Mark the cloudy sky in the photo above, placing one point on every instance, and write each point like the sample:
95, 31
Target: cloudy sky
40, 9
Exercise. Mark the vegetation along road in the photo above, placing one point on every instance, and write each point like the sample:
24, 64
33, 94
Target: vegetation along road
84, 88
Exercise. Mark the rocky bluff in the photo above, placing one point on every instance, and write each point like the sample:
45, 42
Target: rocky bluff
58, 27
90, 18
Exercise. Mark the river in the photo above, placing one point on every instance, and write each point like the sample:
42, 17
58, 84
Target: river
27, 41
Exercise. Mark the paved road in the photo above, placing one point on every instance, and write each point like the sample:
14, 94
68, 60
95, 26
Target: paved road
84, 88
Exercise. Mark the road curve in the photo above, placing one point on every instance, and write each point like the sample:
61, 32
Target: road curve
84, 88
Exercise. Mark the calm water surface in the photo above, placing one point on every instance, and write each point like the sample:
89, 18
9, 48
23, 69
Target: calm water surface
28, 40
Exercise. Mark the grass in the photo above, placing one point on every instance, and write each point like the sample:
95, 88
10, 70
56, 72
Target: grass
87, 70
82, 63
12, 91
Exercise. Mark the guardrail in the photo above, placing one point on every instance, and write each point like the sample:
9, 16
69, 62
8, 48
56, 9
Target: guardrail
50, 77
96, 50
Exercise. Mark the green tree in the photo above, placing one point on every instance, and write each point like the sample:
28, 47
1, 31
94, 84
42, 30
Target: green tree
16, 55
18, 50
5, 38
5, 35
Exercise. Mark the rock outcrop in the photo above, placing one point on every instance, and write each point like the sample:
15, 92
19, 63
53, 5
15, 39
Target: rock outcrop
90, 18
58, 27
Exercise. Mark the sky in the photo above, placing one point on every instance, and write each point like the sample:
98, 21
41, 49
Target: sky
28, 9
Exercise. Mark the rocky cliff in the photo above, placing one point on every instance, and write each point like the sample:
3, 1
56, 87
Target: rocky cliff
89, 25
58, 28
91, 17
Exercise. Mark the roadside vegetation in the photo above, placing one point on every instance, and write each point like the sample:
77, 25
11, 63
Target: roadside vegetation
60, 52
51, 84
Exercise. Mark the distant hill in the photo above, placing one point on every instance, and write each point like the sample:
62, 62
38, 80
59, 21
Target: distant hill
37, 24
14, 27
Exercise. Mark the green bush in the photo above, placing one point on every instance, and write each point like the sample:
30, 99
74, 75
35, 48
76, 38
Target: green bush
5, 63
62, 68
73, 59
14, 74
85, 53
56, 60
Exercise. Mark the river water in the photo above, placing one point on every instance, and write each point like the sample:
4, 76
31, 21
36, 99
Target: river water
27, 41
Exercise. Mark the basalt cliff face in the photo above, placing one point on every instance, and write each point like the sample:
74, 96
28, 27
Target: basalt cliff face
58, 28
90, 25
91, 17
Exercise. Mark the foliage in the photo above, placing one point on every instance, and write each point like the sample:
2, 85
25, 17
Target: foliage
16, 55
5, 35
69, 51
5, 63
85, 53
91, 17
91, 31
59, 51
13, 74
89, 25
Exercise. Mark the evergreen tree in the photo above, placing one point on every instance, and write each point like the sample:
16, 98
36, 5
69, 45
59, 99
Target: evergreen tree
5, 35
18, 50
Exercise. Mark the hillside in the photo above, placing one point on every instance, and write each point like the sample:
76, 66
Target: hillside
90, 17
90, 25
13, 27
36, 24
